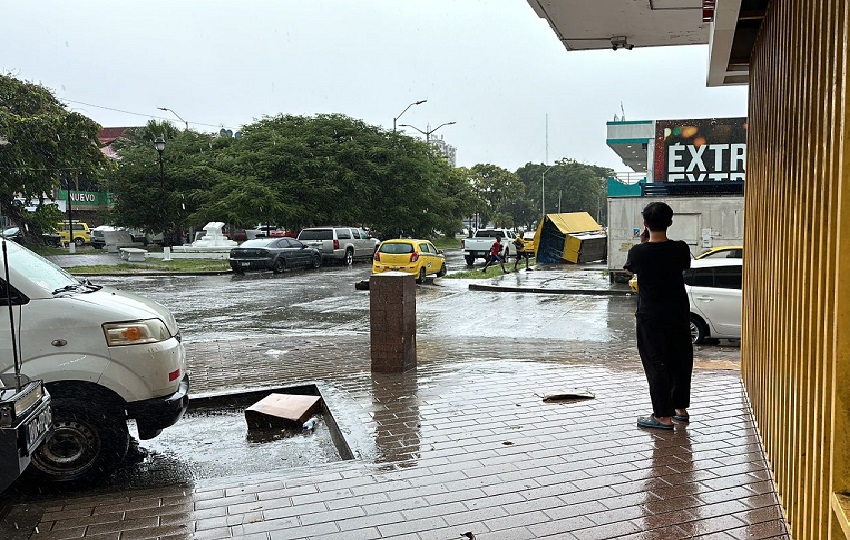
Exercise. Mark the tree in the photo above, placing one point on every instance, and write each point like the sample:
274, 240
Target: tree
498, 191
292, 171
44, 146
582, 187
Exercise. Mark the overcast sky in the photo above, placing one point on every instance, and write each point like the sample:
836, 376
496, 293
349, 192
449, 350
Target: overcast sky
492, 66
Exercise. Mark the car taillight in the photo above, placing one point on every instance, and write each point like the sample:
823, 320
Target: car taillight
414, 256
336, 244
377, 256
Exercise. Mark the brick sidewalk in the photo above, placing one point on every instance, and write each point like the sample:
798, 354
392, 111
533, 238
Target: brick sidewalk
465, 444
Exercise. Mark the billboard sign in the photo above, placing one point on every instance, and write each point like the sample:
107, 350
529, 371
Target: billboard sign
701, 150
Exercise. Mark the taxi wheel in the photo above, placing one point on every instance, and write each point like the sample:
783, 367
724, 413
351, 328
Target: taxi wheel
421, 278
79, 242
88, 442
443, 271
698, 330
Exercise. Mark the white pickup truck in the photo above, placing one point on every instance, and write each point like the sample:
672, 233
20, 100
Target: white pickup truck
478, 246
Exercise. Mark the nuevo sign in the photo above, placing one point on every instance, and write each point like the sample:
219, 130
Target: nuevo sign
86, 198
704, 150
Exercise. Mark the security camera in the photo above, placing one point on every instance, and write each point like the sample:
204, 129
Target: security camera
621, 42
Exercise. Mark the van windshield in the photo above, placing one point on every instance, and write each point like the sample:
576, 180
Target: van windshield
42, 272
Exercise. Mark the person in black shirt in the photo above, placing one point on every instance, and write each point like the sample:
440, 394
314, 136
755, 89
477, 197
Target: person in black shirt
663, 318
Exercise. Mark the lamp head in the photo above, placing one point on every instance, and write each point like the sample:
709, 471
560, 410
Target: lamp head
159, 143
420, 102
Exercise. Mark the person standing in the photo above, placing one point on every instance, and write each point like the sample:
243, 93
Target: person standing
662, 319
495, 256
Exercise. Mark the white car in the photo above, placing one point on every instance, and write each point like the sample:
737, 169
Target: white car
104, 355
714, 290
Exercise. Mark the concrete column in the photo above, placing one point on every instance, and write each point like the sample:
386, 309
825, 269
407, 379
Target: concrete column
392, 315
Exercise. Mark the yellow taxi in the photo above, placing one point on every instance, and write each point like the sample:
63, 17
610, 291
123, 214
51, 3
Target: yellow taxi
727, 252
417, 257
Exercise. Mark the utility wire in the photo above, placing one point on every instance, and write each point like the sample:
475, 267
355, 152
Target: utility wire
138, 114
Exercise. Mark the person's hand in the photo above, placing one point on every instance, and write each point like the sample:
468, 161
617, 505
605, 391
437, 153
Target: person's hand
644, 236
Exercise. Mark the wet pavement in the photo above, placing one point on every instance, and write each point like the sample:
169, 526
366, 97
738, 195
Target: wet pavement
463, 444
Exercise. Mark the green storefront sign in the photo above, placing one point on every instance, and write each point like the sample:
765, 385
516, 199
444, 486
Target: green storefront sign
86, 198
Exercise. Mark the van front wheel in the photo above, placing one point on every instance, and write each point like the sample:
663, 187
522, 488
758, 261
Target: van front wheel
88, 442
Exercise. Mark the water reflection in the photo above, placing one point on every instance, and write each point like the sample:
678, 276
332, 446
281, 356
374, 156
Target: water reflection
395, 412
671, 487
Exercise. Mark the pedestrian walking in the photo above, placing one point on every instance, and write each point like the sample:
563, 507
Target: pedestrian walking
521, 253
496, 256
662, 319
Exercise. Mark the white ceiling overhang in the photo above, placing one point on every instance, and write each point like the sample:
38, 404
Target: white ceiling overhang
729, 26
593, 24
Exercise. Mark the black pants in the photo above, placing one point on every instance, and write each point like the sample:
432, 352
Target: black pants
668, 361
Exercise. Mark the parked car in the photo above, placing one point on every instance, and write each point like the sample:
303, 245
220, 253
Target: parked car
714, 290
731, 252
81, 233
14, 233
341, 244
417, 257
275, 254
104, 355
98, 238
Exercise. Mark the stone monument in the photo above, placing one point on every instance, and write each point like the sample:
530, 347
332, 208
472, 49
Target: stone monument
213, 238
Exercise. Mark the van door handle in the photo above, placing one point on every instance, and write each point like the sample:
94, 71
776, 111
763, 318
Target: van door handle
706, 298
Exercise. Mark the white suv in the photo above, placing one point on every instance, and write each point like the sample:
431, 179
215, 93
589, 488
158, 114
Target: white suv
342, 244
714, 291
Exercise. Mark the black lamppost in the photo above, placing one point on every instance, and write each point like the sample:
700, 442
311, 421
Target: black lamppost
159, 143
405, 110
428, 132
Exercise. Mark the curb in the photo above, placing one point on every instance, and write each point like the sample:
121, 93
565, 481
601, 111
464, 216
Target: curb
543, 290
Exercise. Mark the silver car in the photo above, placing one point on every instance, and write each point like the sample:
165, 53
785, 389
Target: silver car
342, 244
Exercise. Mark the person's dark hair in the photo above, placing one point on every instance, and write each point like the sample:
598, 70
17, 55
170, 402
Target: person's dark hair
658, 216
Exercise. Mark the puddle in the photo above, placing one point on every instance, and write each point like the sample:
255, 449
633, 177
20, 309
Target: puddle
211, 441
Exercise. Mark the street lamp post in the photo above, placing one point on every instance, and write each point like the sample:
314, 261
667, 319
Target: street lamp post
428, 133
420, 102
175, 114
159, 143
544, 189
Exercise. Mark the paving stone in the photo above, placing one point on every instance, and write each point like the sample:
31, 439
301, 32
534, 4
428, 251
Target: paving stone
576, 471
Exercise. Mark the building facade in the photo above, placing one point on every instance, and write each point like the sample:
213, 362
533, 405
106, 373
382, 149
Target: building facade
795, 349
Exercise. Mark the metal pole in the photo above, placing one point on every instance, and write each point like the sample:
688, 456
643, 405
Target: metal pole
70, 221
164, 201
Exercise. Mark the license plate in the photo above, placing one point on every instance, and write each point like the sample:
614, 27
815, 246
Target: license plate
245, 264
395, 268
38, 426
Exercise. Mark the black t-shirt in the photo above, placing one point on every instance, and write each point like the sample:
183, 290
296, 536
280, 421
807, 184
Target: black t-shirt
661, 287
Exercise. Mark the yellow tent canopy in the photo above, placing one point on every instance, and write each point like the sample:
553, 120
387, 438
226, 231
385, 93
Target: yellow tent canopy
572, 236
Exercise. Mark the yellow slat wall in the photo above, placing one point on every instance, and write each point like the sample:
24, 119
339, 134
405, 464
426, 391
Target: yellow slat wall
797, 259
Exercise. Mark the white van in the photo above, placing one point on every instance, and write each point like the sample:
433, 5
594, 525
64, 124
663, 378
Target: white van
104, 355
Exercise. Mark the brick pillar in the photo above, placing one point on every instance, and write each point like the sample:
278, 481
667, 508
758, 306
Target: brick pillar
392, 314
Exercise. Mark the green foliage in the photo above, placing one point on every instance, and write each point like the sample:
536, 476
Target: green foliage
582, 188
290, 171
499, 193
48, 146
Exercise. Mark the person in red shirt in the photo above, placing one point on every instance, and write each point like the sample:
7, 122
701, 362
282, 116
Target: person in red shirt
496, 256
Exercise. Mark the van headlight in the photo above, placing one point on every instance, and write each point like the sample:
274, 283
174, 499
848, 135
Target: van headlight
135, 332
